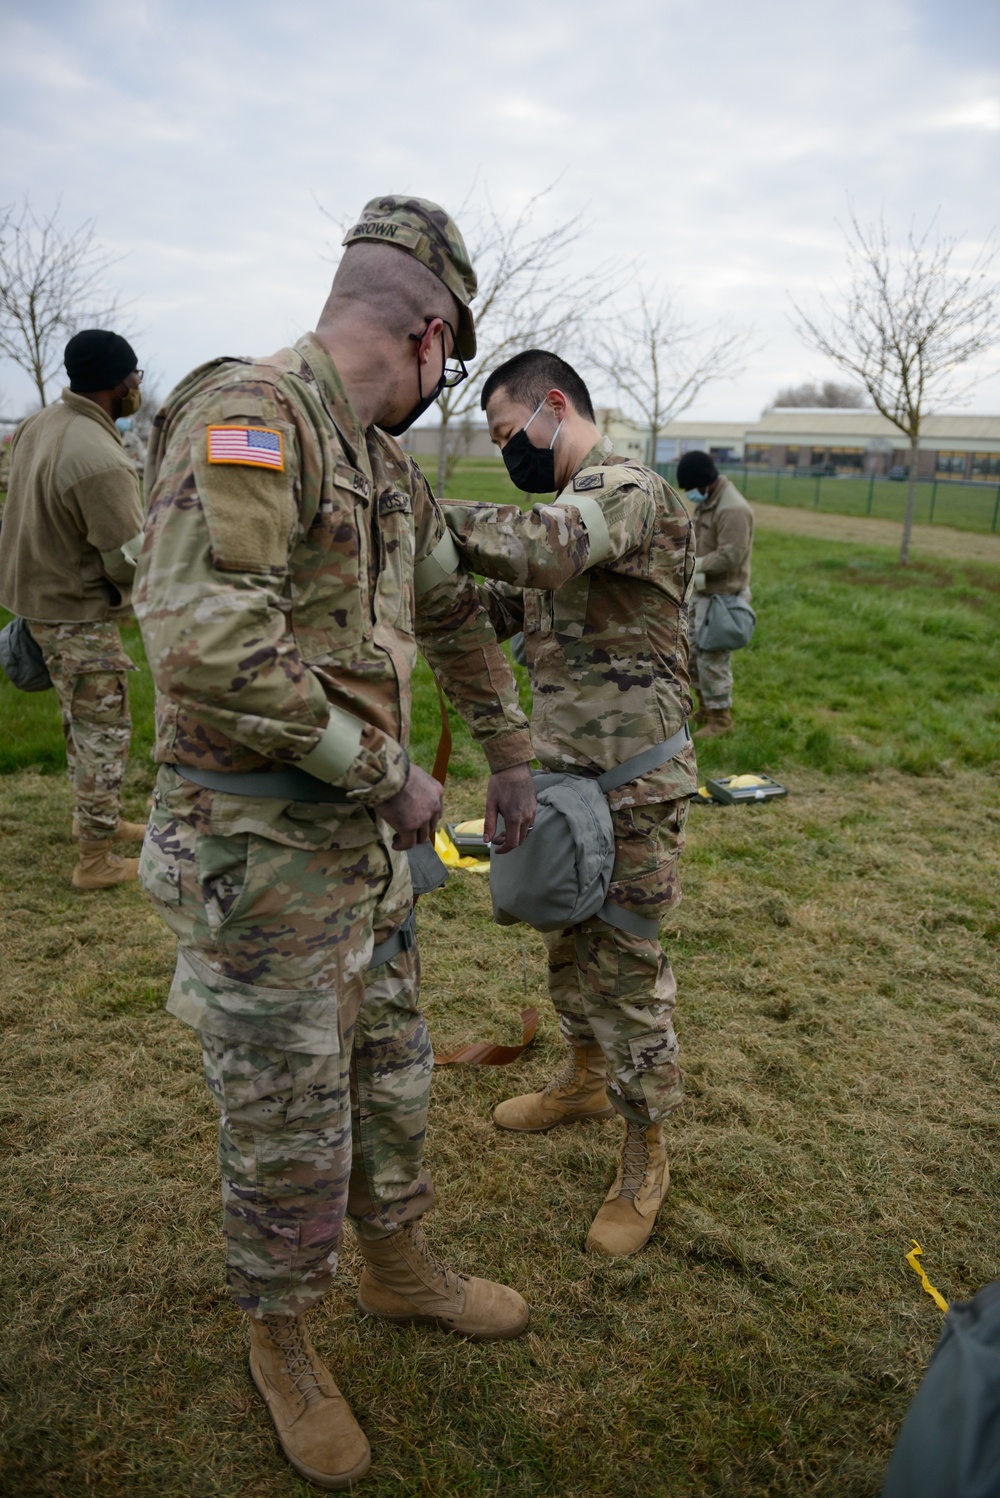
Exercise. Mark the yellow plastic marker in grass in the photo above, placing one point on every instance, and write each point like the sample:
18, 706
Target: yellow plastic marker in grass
452, 859
935, 1295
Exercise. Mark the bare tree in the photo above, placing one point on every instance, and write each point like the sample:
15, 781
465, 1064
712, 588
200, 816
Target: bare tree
903, 323
526, 298
51, 283
830, 394
659, 363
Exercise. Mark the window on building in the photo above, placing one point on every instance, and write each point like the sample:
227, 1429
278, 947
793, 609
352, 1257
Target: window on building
847, 459
818, 456
949, 464
791, 457
986, 466
723, 455
756, 453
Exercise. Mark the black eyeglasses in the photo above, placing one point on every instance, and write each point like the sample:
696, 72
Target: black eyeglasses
454, 369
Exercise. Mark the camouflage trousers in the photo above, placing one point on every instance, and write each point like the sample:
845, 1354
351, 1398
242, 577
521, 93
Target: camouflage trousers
321, 1068
618, 989
88, 666
711, 670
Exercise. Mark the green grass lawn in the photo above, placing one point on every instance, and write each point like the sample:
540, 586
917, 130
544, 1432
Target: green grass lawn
855, 664
836, 958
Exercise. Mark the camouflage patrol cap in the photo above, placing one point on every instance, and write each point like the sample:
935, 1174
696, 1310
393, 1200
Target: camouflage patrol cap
424, 230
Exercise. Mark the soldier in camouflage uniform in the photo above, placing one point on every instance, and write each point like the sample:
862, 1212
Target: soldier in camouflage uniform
72, 524
598, 580
293, 558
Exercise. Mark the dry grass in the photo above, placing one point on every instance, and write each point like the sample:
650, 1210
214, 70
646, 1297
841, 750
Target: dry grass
836, 956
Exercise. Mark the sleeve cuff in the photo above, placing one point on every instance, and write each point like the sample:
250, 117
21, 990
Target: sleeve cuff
338, 747
508, 750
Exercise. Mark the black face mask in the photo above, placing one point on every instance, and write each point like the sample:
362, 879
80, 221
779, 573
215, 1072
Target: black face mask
532, 469
422, 405
449, 377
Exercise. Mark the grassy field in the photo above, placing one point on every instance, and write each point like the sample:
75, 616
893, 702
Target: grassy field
836, 955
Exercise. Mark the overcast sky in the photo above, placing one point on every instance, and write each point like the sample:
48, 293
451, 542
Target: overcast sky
713, 144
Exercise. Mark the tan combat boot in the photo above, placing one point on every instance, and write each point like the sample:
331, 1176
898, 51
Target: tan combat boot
575, 1093
317, 1431
125, 832
99, 868
404, 1280
626, 1219
717, 720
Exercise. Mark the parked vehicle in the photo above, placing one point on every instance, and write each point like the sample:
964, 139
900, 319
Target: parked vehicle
899, 472
823, 471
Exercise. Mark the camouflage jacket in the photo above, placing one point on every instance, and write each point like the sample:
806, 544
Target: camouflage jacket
599, 580
276, 588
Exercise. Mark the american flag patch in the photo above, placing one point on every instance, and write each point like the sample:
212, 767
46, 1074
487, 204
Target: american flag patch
258, 447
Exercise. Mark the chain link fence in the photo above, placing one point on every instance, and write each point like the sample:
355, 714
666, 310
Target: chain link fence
963, 505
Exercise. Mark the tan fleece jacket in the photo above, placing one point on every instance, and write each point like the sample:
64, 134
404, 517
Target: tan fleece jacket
72, 501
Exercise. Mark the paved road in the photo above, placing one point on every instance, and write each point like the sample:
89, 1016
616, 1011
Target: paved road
929, 542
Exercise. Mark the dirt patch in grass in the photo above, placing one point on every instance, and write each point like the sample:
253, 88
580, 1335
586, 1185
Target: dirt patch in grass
968, 583
836, 956
927, 540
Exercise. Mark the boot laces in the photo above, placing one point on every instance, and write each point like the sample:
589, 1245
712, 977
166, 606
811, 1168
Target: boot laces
451, 1278
565, 1078
287, 1336
635, 1159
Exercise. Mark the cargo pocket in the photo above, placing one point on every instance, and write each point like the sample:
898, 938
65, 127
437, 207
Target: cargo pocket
248, 1014
654, 1057
222, 868
99, 698
159, 872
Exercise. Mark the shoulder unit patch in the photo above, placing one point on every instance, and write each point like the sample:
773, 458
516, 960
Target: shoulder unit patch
255, 447
585, 481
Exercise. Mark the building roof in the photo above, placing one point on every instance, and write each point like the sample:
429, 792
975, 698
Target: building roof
710, 430
789, 422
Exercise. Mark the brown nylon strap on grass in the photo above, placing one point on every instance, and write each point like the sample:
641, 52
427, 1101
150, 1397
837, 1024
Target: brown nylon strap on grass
443, 755
484, 1053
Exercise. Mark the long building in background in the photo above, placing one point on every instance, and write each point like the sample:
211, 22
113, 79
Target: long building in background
952, 446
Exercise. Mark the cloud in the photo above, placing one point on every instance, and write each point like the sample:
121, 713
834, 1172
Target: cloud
714, 146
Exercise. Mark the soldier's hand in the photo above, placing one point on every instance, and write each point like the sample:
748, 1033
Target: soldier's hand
512, 794
415, 810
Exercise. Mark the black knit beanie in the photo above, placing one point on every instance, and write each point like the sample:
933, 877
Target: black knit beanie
98, 360
696, 471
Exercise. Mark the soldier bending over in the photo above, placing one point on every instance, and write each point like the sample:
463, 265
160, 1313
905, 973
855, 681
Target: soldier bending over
598, 580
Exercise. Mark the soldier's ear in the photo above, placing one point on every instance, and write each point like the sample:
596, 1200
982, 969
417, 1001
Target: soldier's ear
558, 402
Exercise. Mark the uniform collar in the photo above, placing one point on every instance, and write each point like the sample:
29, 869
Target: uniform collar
714, 490
598, 455
331, 387
84, 407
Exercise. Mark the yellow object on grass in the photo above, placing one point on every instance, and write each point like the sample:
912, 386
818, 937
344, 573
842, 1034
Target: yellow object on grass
452, 859
746, 782
935, 1295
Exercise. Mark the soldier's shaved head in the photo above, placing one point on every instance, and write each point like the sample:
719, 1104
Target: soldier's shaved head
393, 289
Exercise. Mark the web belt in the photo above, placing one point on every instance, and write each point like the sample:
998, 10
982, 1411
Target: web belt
290, 784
